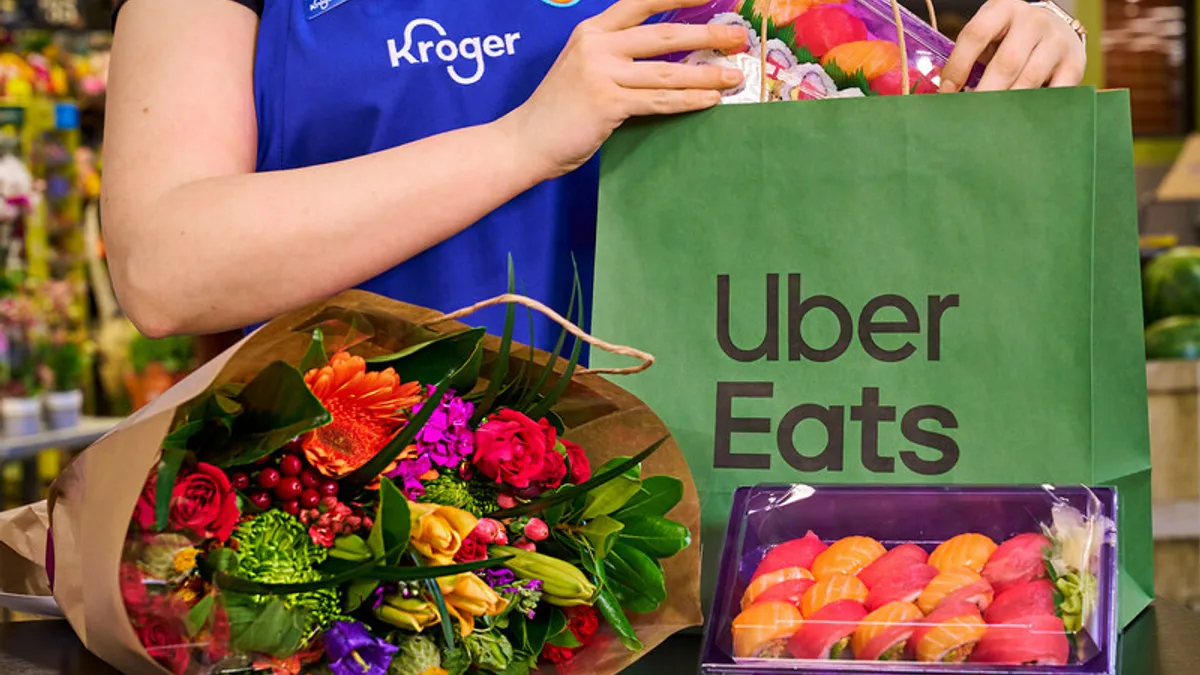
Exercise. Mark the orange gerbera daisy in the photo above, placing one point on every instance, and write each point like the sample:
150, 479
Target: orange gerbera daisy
367, 408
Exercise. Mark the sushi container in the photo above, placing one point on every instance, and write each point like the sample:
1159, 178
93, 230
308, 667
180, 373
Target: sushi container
818, 49
842, 579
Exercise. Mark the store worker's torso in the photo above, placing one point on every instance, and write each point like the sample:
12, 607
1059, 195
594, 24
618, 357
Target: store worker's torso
338, 79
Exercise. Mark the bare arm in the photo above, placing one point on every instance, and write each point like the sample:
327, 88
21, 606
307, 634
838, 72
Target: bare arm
199, 243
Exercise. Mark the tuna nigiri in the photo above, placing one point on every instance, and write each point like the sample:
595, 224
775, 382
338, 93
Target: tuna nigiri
1037, 640
796, 553
965, 550
949, 634
903, 585
847, 556
762, 630
823, 28
883, 634
1016, 561
826, 634
832, 589
766, 581
959, 584
895, 561
1032, 598
792, 591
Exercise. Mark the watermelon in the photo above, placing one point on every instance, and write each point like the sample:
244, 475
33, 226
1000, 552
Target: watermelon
1176, 337
1171, 284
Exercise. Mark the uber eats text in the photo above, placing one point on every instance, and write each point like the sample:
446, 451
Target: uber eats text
917, 437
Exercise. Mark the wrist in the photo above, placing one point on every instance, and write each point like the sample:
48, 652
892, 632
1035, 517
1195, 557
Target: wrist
522, 155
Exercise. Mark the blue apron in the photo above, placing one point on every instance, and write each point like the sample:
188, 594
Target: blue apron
336, 80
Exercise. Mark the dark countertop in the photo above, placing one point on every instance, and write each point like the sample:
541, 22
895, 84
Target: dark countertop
1165, 640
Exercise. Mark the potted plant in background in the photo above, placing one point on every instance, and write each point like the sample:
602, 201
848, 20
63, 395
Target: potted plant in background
62, 363
20, 407
157, 366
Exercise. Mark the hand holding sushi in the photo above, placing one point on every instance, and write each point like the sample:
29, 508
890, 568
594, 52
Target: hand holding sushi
1024, 45
602, 78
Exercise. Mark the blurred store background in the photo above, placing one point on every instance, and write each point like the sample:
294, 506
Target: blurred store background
71, 366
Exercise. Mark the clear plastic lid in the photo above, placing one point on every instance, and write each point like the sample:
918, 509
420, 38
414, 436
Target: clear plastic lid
819, 49
907, 579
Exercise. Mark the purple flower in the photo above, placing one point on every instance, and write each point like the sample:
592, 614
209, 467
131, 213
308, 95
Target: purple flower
407, 476
446, 437
352, 650
498, 577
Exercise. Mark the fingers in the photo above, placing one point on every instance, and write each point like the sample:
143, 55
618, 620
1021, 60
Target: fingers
643, 102
1014, 52
1040, 66
1070, 72
630, 13
990, 23
647, 42
654, 75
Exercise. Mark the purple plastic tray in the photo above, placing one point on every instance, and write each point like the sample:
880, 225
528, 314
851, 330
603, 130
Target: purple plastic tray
763, 516
921, 40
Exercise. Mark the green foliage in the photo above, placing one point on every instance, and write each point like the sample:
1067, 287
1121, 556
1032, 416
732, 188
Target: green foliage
417, 655
164, 485
174, 354
635, 579
844, 80
659, 494
459, 354
490, 651
474, 497
275, 548
265, 626
392, 524
65, 361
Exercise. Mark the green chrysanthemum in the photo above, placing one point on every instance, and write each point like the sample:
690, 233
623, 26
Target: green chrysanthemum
450, 490
490, 650
417, 655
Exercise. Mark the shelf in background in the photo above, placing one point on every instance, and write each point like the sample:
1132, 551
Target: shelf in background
88, 431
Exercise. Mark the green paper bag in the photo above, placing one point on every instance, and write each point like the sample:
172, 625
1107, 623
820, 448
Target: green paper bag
897, 290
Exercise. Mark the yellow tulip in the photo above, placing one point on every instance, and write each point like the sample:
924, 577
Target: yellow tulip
467, 596
412, 614
438, 531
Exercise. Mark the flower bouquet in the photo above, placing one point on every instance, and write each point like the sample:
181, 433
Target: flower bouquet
367, 487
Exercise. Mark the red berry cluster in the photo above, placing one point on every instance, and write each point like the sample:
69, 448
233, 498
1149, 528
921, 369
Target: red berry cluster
290, 485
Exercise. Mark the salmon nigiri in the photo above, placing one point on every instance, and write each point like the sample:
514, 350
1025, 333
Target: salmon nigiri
965, 550
893, 562
826, 634
903, 585
832, 589
1016, 561
1033, 598
792, 591
883, 634
959, 584
949, 634
766, 581
1038, 640
847, 556
873, 57
795, 553
762, 630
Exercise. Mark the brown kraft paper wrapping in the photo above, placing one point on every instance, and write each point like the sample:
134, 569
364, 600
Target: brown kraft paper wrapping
92, 502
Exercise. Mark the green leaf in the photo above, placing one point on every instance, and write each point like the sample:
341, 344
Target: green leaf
614, 614
358, 592
610, 497
565, 639
533, 394
538, 411
562, 496
458, 353
198, 616
635, 579
392, 522
602, 533
500, 367
222, 559
517, 667
440, 601
276, 407
352, 548
164, 486
315, 357
659, 494
268, 628
655, 536
355, 482
548, 622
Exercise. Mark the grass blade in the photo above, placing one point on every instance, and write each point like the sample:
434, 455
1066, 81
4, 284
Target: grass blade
532, 394
538, 411
368, 570
500, 369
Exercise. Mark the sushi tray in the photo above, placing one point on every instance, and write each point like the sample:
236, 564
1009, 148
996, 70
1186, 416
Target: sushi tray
835, 579
815, 49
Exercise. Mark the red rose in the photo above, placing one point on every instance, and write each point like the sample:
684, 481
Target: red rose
162, 636
511, 449
472, 549
553, 472
583, 622
203, 503
133, 589
581, 468
557, 655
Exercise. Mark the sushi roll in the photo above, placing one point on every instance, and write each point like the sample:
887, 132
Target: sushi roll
832, 589
762, 630
766, 581
735, 19
806, 82
792, 591
847, 556
904, 585
949, 634
1036, 640
960, 584
965, 550
883, 634
1032, 598
826, 634
795, 553
895, 561
1017, 561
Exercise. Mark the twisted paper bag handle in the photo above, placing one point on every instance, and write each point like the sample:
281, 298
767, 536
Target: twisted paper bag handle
647, 360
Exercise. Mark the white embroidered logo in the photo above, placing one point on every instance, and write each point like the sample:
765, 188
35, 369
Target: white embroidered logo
476, 49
